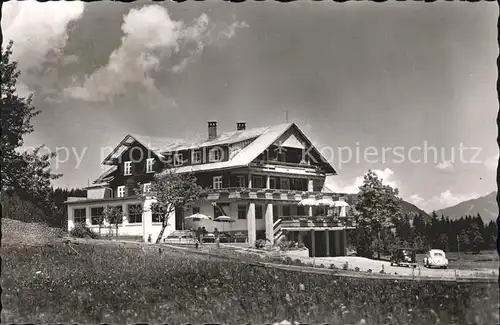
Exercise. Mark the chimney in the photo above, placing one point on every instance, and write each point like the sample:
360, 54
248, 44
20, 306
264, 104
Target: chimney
240, 126
212, 130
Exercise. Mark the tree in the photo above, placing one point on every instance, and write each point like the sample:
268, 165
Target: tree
476, 239
173, 191
26, 174
379, 208
442, 242
114, 216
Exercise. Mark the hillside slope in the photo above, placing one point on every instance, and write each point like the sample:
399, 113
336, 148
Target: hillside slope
486, 206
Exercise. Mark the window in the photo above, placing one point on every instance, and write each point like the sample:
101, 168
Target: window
257, 182
218, 208
134, 213
258, 211
120, 191
96, 215
301, 211
127, 168
217, 182
242, 211
155, 213
146, 187
196, 210
285, 184
272, 182
149, 165
240, 181
79, 215
286, 210
214, 155
178, 159
195, 156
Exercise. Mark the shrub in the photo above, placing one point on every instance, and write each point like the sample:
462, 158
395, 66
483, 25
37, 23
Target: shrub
260, 243
82, 231
369, 270
345, 266
333, 266
356, 269
298, 262
322, 266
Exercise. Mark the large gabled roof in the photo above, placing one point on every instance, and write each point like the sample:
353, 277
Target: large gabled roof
261, 138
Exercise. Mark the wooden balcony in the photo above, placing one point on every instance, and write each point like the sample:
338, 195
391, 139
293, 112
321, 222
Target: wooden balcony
318, 223
265, 194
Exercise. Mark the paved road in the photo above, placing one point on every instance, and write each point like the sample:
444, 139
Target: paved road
376, 266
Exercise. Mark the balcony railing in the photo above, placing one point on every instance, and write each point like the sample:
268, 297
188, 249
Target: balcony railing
261, 190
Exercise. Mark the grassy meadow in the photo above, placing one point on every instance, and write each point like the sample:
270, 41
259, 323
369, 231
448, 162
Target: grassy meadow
89, 283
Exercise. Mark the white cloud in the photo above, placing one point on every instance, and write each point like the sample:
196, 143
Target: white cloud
445, 165
151, 37
443, 200
39, 32
387, 176
492, 163
416, 199
37, 28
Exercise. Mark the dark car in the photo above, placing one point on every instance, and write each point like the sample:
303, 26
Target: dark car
404, 257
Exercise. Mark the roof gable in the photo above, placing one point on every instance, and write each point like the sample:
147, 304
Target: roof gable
260, 139
293, 142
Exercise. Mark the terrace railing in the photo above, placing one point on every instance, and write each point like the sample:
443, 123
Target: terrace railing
277, 232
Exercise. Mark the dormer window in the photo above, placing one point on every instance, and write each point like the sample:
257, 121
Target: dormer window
149, 165
127, 168
214, 155
196, 156
178, 159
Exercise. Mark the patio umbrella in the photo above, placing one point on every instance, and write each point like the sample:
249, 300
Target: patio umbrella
325, 203
223, 220
342, 205
198, 217
308, 202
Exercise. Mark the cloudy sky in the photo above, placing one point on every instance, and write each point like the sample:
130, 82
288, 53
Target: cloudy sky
400, 88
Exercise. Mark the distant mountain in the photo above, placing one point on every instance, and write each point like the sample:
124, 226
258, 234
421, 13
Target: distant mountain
486, 206
406, 206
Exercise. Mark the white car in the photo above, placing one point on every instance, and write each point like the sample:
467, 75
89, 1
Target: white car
436, 258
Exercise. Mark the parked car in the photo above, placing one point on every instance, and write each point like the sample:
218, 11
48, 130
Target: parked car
404, 257
436, 258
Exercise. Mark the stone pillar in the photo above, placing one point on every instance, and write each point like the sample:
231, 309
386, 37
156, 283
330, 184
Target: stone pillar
310, 185
269, 223
327, 237
313, 243
88, 220
251, 224
70, 218
147, 220
268, 182
249, 180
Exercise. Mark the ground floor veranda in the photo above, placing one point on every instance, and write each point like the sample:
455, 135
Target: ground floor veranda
256, 215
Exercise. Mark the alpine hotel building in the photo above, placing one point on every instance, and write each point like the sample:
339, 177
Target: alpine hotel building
256, 176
